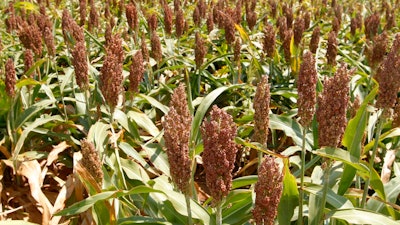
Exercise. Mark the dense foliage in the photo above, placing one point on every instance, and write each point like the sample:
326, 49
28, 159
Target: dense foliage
199, 112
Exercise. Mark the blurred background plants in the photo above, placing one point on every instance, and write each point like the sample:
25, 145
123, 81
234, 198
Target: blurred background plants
302, 94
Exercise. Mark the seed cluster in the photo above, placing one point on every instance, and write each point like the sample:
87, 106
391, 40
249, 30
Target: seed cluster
177, 126
219, 152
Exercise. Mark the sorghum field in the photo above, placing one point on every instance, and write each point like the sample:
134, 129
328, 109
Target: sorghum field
199, 112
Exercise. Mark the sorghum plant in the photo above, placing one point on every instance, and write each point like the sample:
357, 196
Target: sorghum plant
219, 155
331, 111
177, 125
111, 72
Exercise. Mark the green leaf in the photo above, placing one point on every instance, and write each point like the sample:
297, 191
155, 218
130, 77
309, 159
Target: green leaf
128, 125
98, 134
244, 181
178, 201
157, 156
291, 128
142, 220
202, 110
392, 190
32, 111
143, 121
154, 103
360, 216
26, 81
237, 207
290, 195
87, 203
337, 201
352, 139
38, 122
361, 167
130, 151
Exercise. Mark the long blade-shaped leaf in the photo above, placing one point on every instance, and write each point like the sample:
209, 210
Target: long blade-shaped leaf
352, 140
290, 195
202, 110
359, 216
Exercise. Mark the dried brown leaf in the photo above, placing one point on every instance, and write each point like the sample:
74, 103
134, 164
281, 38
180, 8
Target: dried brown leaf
56, 150
32, 171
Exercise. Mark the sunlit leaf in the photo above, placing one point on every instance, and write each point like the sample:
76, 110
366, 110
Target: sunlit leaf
290, 195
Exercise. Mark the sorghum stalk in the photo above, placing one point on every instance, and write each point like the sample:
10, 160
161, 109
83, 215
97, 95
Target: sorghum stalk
372, 159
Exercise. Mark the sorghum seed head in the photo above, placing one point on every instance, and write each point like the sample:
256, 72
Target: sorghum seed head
282, 25
273, 6
286, 44
196, 16
335, 25
210, 21
49, 41
261, 111
144, 49
315, 39
111, 72
298, 30
268, 191
177, 125
306, 86
179, 23
80, 64
371, 24
167, 18
156, 51
82, 11
229, 27
238, 12
93, 16
376, 55
200, 50
152, 22
331, 51
251, 15
219, 152
31, 37
307, 20
388, 77
236, 50
289, 15
28, 61
269, 40
331, 111
91, 160
136, 71
131, 15
10, 77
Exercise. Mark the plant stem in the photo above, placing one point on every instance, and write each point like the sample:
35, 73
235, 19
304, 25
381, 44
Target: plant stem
324, 190
371, 161
219, 213
189, 210
302, 171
